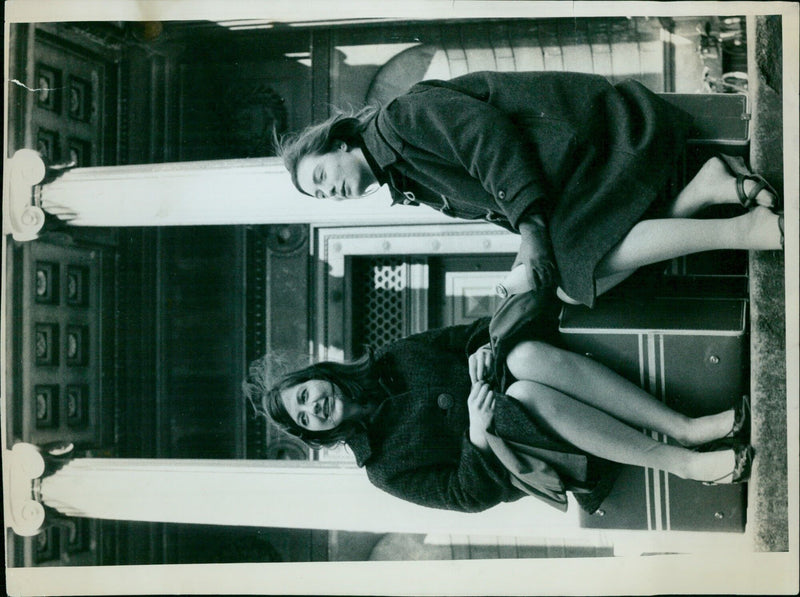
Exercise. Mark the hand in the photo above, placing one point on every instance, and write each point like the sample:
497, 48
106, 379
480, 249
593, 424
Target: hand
480, 363
480, 405
535, 253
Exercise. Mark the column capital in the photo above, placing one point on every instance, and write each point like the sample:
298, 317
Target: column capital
23, 467
22, 217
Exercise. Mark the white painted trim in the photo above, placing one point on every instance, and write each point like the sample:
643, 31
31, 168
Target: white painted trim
334, 245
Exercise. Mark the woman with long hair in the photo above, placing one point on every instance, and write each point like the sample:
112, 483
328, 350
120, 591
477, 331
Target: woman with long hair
435, 426
578, 167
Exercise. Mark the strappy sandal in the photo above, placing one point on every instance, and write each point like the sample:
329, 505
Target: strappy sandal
738, 168
741, 419
743, 464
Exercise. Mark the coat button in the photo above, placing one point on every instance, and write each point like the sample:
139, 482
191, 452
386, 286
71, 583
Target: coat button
444, 401
501, 194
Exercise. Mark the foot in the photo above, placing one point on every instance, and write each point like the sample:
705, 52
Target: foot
751, 189
715, 184
758, 230
741, 419
743, 455
709, 428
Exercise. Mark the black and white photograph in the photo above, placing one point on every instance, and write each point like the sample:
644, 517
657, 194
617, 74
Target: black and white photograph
462, 297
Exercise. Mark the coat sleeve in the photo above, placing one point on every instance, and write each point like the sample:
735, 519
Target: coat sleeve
477, 482
461, 340
461, 130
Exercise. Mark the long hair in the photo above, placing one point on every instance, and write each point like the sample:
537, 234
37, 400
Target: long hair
265, 382
321, 138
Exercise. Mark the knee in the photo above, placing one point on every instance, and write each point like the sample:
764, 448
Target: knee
537, 398
534, 361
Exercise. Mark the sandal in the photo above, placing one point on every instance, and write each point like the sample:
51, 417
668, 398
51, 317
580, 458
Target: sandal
737, 166
741, 418
743, 464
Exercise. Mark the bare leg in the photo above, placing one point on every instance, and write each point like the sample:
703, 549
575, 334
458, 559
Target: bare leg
598, 433
651, 241
596, 385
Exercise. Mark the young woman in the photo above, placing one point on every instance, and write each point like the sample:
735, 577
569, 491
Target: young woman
424, 420
577, 166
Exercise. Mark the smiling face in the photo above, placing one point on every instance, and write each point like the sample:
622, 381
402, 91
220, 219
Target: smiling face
339, 174
317, 405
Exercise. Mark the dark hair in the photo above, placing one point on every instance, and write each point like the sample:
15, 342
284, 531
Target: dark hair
354, 379
321, 138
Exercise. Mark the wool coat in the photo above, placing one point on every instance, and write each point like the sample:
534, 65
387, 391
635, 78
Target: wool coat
416, 444
590, 157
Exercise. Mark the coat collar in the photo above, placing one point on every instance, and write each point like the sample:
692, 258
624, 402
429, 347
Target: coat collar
377, 144
390, 385
359, 445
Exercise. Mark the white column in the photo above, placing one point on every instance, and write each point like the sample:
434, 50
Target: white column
241, 191
303, 495
245, 493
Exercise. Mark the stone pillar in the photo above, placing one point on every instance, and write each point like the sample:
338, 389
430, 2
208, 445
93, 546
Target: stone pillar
265, 493
241, 191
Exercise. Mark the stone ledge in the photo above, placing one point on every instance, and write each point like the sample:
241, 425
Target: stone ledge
767, 517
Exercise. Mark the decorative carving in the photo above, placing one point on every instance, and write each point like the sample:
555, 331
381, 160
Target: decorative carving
24, 464
47, 545
45, 344
79, 152
46, 406
77, 345
77, 403
48, 88
45, 284
286, 238
77, 286
75, 532
79, 105
47, 144
287, 449
21, 216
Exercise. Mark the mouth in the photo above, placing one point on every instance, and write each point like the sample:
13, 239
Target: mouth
326, 408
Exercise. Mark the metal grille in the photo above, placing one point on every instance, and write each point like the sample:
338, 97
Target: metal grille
379, 285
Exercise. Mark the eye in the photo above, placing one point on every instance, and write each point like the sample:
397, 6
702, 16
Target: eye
301, 397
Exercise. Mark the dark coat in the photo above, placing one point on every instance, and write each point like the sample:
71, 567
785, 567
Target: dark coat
416, 445
589, 156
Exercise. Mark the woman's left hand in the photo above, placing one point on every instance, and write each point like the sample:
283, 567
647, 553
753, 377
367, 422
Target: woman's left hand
480, 363
480, 406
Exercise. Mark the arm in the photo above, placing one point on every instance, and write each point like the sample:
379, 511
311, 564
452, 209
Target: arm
460, 130
474, 483
455, 339
535, 251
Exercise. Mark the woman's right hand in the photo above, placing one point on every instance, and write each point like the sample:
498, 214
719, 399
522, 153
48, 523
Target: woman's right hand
480, 405
480, 363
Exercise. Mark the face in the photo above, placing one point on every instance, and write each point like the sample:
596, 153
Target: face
317, 405
339, 174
